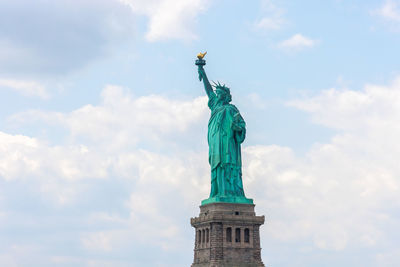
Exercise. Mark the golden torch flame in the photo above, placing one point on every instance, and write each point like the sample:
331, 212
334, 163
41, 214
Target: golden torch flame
201, 55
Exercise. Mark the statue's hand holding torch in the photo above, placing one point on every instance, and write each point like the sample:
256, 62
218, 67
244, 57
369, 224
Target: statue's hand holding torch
200, 62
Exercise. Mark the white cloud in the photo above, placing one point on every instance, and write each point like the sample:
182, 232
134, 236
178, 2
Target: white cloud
268, 23
23, 156
122, 119
27, 88
116, 137
13, 155
97, 241
350, 109
298, 41
58, 36
343, 194
390, 11
134, 145
169, 19
273, 17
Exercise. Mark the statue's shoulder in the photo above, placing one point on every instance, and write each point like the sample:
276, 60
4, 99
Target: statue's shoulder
212, 101
233, 108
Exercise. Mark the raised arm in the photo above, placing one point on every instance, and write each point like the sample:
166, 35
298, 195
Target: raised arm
207, 85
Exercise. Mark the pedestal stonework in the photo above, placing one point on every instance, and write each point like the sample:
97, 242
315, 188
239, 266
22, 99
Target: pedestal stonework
227, 234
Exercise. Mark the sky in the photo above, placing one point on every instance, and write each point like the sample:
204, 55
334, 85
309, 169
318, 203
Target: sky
103, 124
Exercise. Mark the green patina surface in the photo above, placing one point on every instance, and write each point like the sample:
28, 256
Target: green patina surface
226, 132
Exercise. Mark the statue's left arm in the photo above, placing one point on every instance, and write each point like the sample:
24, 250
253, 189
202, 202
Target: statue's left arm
239, 127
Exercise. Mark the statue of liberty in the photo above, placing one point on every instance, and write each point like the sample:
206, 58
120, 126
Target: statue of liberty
226, 132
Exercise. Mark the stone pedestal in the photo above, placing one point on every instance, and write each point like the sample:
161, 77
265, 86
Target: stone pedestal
227, 234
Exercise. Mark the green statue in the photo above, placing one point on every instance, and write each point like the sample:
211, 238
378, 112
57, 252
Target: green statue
226, 132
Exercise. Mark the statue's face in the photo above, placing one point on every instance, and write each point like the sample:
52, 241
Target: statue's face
223, 97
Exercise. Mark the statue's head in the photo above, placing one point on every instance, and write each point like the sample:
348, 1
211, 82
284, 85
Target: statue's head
223, 92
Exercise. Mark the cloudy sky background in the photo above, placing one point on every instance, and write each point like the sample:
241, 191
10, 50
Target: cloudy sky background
103, 153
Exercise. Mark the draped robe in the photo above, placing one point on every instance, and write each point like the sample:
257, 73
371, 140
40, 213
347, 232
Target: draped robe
226, 131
